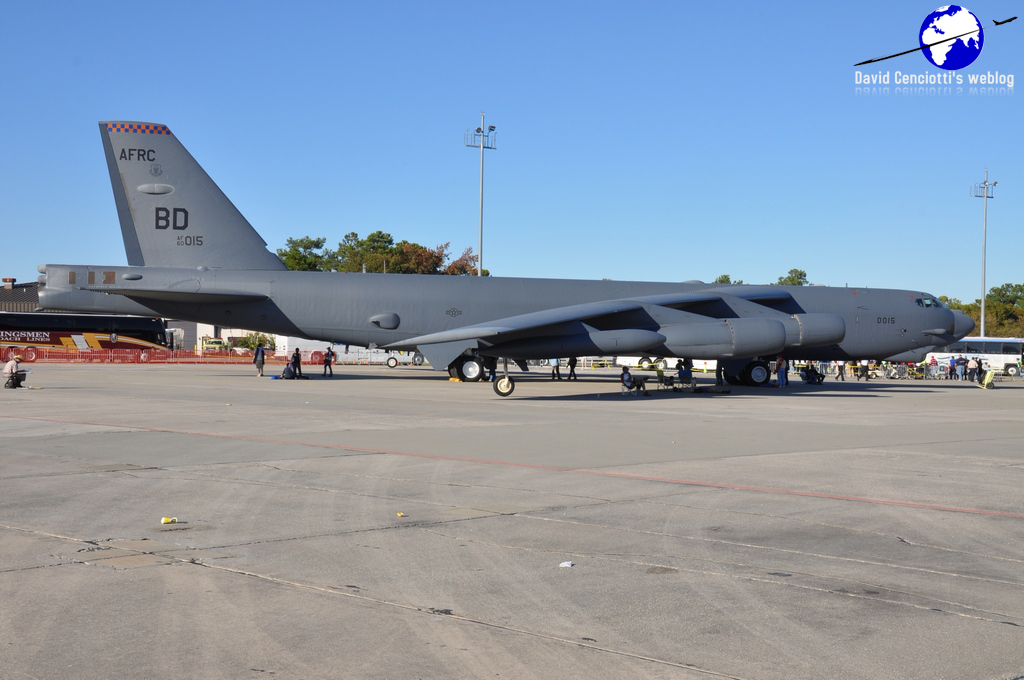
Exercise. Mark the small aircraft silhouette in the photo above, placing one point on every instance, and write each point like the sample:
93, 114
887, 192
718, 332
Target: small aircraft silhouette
1000, 23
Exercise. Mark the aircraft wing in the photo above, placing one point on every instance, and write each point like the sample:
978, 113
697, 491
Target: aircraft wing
706, 324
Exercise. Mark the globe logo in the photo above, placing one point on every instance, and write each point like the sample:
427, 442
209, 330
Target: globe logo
946, 23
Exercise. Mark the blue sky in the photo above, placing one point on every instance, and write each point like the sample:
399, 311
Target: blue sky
660, 141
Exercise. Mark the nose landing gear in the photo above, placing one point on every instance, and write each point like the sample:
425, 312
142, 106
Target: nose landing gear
504, 385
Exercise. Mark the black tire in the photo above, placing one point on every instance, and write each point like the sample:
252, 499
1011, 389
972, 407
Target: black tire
417, 359
504, 386
391, 362
471, 370
453, 370
1011, 370
756, 374
645, 362
732, 379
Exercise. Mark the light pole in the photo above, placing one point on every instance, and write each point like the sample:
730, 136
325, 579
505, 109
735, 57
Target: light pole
984, 192
483, 137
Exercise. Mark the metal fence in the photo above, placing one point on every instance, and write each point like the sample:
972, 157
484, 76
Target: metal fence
163, 356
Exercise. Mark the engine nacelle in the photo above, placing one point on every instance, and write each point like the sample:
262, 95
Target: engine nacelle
726, 339
814, 330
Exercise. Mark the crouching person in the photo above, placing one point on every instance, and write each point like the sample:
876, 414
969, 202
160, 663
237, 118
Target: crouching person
13, 375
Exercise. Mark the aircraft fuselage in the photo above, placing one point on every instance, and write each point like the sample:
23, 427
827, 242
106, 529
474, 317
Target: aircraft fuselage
387, 309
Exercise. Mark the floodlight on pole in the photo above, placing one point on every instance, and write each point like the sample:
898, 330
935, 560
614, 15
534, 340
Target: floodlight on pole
483, 137
984, 191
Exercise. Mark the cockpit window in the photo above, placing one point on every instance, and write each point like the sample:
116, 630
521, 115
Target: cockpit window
928, 302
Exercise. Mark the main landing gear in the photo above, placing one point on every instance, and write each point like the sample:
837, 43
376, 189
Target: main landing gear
467, 369
755, 374
472, 369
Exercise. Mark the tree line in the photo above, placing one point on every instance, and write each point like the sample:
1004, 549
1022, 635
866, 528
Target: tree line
795, 277
377, 253
1004, 310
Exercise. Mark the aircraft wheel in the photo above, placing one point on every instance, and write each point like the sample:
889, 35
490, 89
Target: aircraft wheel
471, 370
453, 370
756, 373
732, 379
417, 359
391, 362
504, 386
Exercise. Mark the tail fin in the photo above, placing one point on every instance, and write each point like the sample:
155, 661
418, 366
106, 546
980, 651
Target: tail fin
172, 214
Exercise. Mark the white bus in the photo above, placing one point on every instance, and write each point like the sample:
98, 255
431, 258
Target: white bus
651, 362
998, 354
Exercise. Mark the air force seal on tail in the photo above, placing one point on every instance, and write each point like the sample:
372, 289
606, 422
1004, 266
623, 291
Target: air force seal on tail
156, 170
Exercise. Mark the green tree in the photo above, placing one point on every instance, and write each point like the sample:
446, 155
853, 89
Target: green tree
252, 339
727, 280
1011, 294
796, 277
1004, 310
304, 254
378, 253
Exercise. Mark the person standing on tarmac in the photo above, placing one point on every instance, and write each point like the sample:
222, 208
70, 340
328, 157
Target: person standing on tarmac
782, 370
572, 369
297, 363
328, 360
258, 357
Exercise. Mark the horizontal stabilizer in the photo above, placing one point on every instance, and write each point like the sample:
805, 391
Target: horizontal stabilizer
212, 297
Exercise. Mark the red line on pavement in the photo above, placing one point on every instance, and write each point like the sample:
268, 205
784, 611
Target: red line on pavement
595, 473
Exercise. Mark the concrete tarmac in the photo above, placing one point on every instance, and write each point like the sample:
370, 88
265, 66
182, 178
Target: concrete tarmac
387, 523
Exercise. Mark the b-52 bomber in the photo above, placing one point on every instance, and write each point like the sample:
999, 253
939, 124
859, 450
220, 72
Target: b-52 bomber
193, 256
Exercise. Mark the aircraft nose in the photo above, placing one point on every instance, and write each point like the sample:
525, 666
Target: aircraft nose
962, 324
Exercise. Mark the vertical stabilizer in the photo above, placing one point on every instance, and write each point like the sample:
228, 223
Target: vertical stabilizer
172, 214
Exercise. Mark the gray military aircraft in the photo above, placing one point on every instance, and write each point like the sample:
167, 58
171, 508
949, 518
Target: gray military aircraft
193, 256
